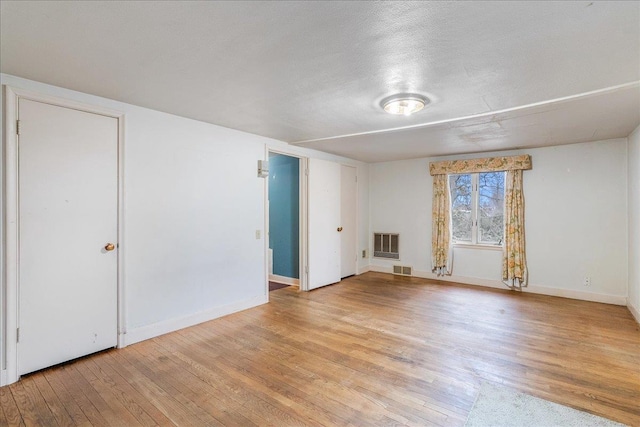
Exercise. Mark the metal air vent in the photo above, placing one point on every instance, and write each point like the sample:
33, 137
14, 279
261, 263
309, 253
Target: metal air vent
402, 270
386, 245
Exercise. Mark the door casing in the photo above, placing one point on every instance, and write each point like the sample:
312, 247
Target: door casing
348, 220
302, 221
10, 235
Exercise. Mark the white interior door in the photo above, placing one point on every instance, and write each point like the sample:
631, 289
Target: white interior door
324, 220
348, 194
68, 195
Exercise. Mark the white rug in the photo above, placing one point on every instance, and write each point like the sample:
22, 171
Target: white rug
497, 405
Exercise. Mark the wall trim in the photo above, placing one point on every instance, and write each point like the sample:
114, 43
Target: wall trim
532, 289
284, 280
142, 333
634, 311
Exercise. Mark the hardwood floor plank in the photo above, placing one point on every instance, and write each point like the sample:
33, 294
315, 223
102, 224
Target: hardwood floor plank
79, 393
140, 408
337, 374
65, 398
11, 414
103, 397
219, 406
307, 383
264, 405
214, 386
3, 418
31, 404
341, 370
58, 410
148, 380
375, 349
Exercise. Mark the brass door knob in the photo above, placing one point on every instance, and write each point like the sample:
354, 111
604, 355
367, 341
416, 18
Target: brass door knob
109, 247
339, 229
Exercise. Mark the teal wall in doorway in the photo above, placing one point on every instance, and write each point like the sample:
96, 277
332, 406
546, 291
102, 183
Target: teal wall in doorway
284, 214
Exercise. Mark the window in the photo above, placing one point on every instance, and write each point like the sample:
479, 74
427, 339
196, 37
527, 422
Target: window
477, 208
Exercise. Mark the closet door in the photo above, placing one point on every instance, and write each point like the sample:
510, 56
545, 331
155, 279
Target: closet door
324, 222
68, 223
348, 235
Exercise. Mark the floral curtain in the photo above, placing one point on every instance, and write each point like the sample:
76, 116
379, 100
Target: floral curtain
490, 164
440, 226
514, 264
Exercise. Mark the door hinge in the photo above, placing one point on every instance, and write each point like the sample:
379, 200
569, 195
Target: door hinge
306, 269
17, 127
18, 335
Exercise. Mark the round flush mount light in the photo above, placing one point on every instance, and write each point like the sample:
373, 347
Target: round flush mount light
404, 103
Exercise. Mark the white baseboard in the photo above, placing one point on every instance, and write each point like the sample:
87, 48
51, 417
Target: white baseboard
150, 331
634, 311
284, 280
534, 289
3, 377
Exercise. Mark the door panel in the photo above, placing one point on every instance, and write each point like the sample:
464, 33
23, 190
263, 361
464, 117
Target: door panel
349, 192
68, 184
324, 220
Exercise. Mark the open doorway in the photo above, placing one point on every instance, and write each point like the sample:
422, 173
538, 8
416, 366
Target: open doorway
284, 221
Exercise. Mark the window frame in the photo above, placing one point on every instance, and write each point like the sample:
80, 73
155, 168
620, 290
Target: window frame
475, 201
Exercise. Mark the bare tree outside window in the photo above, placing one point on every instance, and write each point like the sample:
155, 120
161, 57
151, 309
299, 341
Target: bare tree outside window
461, 207
491, 207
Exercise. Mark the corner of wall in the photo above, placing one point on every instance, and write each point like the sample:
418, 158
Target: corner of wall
635, 312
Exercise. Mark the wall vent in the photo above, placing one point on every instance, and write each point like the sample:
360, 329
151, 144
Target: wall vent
386, 245
402, 270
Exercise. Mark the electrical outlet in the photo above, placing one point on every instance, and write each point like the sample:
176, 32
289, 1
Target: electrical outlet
587, 281
258, 235
364, 253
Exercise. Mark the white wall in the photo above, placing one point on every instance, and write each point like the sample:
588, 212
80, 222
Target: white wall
576, 220
192, 205
633, 156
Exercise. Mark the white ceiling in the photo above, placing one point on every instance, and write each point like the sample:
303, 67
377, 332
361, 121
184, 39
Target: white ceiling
500, 75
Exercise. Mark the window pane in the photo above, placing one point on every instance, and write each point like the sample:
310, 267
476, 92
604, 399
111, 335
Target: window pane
461, 205
490, 207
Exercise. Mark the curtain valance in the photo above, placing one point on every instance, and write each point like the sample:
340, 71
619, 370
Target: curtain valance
489, 164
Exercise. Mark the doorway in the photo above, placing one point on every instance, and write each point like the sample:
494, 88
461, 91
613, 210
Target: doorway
284, 219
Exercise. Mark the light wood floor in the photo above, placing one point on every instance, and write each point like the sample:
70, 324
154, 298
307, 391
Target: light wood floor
373, 350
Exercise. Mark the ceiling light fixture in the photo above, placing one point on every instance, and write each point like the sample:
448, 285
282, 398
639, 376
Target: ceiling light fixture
404, 103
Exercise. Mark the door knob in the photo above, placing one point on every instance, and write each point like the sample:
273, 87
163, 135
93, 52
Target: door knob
339, 229
109, 247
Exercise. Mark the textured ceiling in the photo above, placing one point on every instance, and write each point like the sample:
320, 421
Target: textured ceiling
500, 74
